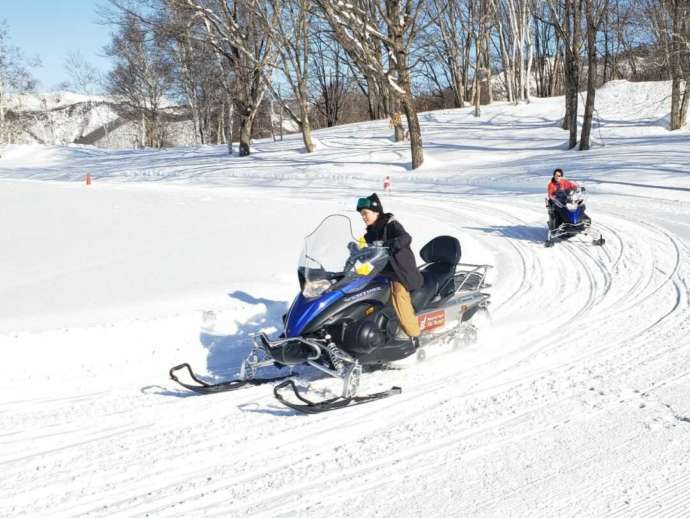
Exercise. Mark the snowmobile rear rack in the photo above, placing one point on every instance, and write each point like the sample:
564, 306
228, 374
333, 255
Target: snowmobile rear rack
312, 407
203, 387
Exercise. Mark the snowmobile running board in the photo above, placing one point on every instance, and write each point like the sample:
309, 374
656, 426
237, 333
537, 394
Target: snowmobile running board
311, 407
212, 388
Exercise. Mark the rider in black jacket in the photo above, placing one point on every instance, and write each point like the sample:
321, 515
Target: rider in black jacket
402, 268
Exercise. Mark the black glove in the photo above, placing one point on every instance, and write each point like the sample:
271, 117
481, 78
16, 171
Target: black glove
583, 188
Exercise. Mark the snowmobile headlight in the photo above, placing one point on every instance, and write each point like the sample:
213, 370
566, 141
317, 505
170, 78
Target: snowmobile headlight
572, 207
363, 268
315, 288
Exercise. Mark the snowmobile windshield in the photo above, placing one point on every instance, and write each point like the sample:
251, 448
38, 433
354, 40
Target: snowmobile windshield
569, 198
332, 258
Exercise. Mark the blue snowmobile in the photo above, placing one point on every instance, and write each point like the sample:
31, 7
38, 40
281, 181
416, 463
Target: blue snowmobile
567, 217
342, 318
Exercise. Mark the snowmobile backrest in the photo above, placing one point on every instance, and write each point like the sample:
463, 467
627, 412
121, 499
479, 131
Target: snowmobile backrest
442, 249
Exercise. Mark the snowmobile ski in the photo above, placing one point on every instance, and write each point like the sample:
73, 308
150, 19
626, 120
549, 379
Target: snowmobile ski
317, 407
203, 387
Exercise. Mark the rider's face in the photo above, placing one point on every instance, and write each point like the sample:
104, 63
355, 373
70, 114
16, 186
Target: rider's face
558, 177
368, 216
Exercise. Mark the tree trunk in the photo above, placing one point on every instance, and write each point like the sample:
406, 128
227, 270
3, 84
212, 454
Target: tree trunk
396, 119
676, 122
142, 135
456, 76
487, 62
571, 70
675, 64
281, 122
591, 76
415, 130
246, 124
270, 119
505, 60
305, 127
372, 98
2, 118
684, 104
220, 126
228, 125
607, 53
405, 83
530, 58
477, 67
477, 82
398, 132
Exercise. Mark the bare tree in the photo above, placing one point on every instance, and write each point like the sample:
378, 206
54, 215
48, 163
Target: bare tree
479, 25
235, 29
514, 18
88, 81
566, 20
140, 77
594, 13
199, 75
448, 31
332, 78
351, 24
548, 63
678, 12
14, 78
289, 22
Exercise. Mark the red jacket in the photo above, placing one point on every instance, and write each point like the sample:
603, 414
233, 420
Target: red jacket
564, 185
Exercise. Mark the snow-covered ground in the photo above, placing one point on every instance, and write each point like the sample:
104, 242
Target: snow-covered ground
575, 401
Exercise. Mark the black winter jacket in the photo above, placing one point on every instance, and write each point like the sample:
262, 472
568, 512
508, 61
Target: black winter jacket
402, 266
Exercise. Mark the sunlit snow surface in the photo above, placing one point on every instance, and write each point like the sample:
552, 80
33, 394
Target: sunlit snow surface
575, 402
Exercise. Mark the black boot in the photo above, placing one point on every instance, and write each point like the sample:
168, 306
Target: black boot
415, 342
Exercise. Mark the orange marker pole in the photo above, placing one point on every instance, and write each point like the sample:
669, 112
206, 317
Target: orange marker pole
88, 178
387, 184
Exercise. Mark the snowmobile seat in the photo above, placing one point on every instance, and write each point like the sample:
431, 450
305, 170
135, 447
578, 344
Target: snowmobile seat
441, 254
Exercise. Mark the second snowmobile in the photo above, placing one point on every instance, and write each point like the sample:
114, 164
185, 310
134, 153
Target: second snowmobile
567, 218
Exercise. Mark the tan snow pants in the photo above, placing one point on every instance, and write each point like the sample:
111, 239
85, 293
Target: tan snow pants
400, 298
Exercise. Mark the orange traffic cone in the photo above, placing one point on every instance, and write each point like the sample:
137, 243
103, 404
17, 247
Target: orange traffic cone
88, 178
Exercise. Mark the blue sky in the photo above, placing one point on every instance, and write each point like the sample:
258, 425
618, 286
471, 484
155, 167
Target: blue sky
52, 30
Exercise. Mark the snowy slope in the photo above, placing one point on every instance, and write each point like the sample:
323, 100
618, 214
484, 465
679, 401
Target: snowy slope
575, 402
64, 118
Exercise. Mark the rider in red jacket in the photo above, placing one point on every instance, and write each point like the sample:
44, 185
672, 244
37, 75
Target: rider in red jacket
558, 183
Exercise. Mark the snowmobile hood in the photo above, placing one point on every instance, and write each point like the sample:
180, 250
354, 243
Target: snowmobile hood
304, 310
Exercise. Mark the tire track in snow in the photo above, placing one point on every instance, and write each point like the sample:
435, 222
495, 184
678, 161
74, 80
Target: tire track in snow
389, 411
396, 405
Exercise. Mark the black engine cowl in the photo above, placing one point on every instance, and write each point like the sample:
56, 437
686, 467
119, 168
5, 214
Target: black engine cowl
363, 337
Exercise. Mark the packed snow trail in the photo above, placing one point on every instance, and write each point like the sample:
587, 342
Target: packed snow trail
575, 401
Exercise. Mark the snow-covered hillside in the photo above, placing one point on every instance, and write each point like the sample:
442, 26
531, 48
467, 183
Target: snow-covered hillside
63, 118
575, 401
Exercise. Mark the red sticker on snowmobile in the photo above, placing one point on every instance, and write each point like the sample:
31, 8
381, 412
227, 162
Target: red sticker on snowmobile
431, 320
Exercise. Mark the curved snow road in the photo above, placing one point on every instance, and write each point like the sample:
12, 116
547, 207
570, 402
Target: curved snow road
571, 375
